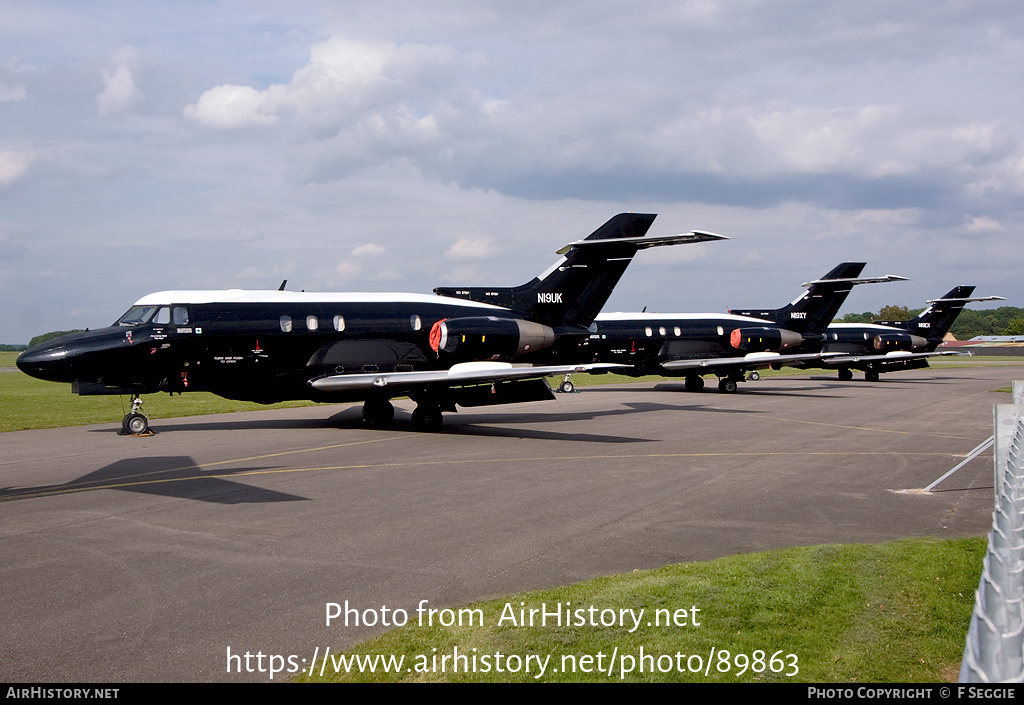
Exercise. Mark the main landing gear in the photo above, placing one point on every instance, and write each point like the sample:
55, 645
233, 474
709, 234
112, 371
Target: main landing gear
694, 383
380, 412
845, 374
135, 423
427, 417
727, 385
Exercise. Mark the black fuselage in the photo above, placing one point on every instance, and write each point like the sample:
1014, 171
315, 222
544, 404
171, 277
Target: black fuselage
268, 346
645, 341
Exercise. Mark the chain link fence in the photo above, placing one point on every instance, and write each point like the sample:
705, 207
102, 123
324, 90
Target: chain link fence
994, 652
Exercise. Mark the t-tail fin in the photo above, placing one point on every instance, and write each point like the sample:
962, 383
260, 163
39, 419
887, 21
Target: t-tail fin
813, 310
573, 290
936, 320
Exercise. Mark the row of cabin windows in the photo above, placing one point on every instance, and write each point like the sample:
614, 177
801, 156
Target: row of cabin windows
313, 323
676, 331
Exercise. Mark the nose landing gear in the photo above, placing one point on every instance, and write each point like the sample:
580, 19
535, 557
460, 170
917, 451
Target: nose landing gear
135, 423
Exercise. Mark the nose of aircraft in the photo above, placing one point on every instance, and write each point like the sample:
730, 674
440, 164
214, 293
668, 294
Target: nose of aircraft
46, 361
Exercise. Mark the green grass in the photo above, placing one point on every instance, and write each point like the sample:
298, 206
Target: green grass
896, 612
27, 403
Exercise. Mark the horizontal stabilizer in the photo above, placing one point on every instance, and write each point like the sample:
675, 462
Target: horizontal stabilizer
966, 300
642, 243
864, 280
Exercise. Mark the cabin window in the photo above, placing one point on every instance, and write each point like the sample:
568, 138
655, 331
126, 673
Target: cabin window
179, 316
286, 324
415, 322
835, 336
677, 331
865, 336
163, 316
721, 331
312, 323
661, 331
339, 323
648, 331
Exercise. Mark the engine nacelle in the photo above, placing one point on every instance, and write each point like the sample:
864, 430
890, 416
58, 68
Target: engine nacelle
765, 339
489, 338
889, 342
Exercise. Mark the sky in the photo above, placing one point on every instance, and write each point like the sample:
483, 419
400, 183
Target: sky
401, 145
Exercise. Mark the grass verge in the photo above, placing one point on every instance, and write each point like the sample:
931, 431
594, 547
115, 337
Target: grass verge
27, 403
896, 612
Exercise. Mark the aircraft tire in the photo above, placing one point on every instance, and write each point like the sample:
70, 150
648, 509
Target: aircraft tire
134, 424
845, 374
694, 383
378, 412
754, 376
567, 387
871, 376
427, 417
727, 386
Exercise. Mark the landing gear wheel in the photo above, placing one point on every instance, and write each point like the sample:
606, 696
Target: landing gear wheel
567, 387
754, 376
694, 383
427, 417
871, 376
134, 424
377, 412
845, 374
727, 385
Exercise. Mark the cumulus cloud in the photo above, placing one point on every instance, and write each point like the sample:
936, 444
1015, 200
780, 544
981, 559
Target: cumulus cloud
469, 248
368, 250
13, 164
119, 89
983, 223
585, 125
232, 106
11, 93
344, 82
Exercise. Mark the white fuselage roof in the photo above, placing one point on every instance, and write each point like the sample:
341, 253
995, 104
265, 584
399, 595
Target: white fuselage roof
248, 296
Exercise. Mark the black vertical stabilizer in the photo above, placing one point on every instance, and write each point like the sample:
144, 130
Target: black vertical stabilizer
573, 290
816, 307
936, 320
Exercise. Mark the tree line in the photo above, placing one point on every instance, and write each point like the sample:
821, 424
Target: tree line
1005, 320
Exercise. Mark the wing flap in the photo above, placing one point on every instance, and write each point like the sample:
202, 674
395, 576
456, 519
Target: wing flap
888, 357
753, 361
463, 374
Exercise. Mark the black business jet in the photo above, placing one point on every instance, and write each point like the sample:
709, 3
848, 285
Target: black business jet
888, 346
271, 346
727, 345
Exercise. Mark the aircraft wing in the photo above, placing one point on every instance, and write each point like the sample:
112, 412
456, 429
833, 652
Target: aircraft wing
753, 361
888, 357
462, 374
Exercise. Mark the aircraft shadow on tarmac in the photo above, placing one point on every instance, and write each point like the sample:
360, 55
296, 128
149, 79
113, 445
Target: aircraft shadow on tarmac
168, 476
679, 388
477, 424
481, 424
